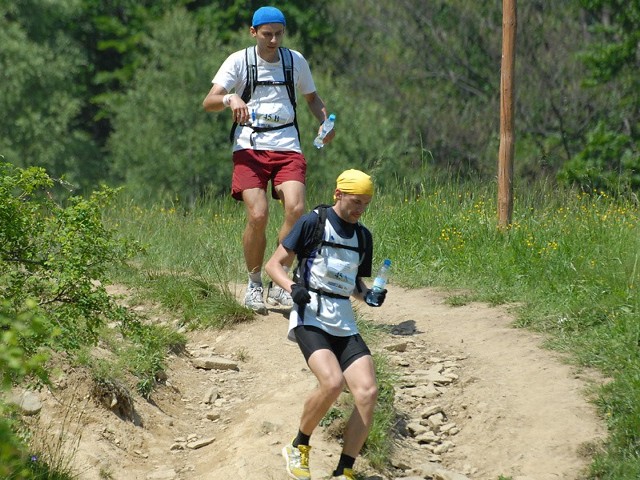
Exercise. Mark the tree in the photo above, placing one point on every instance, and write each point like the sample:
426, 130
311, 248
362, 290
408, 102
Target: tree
41, 98
164, 145
552, 106
610, 159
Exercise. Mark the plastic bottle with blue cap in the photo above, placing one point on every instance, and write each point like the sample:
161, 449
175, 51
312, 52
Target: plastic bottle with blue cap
327, 126
379, 284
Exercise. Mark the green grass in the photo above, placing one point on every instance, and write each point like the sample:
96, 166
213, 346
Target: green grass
201, 242
380, 441
570, 262
50, 450
201, 302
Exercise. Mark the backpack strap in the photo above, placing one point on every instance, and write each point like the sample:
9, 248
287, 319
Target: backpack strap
316, 239
318, 233
362, 241
251, 61
316, 244
287, 66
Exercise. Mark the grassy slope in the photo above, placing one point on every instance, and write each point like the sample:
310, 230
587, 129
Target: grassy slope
569, 260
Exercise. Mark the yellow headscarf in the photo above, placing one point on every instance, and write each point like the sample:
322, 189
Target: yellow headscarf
355, 182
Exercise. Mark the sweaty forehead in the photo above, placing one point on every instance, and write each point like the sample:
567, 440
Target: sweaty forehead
271, 28
358, 197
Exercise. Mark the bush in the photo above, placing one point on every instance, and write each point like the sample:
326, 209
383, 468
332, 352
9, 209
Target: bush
609, 163
57, 255
52, 261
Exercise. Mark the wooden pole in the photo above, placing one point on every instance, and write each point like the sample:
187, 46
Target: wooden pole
507, 137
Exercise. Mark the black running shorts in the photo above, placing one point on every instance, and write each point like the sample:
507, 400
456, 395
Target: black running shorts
346, 349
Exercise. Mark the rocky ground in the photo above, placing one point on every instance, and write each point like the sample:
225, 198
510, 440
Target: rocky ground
476, 399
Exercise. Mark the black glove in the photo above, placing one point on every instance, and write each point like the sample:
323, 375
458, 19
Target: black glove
299, 294
375, 299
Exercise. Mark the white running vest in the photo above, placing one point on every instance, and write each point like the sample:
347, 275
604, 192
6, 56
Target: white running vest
333, 270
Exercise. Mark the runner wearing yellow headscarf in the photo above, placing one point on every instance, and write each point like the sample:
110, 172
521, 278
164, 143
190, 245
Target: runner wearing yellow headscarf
322, 320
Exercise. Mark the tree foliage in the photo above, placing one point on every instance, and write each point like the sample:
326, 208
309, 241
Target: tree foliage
17, 362
164, 144
41, 99
415, 86
56, 255
610, 158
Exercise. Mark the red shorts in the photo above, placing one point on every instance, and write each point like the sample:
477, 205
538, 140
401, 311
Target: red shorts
254, 169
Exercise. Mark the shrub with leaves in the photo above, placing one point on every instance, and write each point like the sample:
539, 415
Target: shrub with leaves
15, 364
53, 258
56, 254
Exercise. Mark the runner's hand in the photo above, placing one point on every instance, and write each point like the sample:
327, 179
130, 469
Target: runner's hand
381, 296
375, 299
299, 294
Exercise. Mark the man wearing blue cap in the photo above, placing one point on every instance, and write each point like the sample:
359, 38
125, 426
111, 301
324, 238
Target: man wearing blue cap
259, 85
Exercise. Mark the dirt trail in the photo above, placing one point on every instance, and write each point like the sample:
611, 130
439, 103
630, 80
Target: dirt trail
521, 411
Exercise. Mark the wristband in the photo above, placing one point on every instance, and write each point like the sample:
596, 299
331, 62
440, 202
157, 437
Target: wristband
226, 99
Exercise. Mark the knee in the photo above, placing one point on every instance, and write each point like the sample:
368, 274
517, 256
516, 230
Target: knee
366, 396
333, 387
295, 210
258, 219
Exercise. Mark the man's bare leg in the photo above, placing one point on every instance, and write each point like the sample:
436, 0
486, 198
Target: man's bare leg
324, 365
291, 194
254, 243
361, 380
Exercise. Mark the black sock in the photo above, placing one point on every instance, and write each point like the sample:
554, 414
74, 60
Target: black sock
345, 462
301, 439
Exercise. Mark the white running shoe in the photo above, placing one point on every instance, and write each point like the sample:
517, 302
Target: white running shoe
278, 296
253, 299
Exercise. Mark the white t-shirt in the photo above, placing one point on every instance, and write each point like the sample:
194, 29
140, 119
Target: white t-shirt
269, 105
333, 270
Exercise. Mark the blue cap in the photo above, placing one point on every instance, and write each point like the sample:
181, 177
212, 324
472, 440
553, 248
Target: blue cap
267, 15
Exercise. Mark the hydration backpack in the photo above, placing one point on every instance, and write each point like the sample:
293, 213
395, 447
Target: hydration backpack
318, 239
315, 245
251, 60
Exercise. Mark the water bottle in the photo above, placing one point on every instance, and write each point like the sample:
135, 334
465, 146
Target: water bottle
327, 126
379, 284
